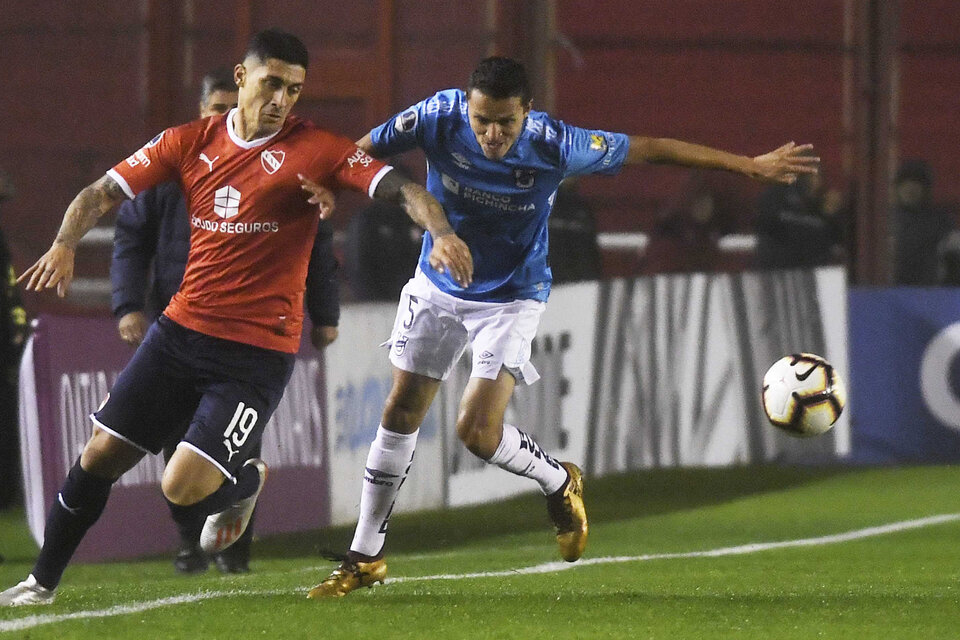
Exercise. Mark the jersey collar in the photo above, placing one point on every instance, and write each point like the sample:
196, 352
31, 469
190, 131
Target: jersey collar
240, 142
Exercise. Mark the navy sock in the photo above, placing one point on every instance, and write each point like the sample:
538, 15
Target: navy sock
190, 518
189, 523
78, 505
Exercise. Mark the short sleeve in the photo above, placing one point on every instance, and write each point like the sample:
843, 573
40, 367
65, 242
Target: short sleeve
404, 131
591, 150
357, 170
155, 162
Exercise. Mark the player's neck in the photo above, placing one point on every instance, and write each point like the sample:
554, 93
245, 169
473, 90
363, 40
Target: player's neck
248, 130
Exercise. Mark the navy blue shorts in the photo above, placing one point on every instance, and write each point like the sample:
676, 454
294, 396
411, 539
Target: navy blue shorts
214, 395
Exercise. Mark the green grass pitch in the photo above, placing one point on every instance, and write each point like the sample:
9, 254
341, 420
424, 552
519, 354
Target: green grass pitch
651, 569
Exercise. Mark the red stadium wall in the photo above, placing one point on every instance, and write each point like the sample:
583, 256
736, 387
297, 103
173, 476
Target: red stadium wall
745, 76
91, 80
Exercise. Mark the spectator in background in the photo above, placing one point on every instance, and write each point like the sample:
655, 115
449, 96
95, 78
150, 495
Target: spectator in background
151, 244
13, 334
573, 252
685, 237
383, 245
800, 225
920, 226
152, 235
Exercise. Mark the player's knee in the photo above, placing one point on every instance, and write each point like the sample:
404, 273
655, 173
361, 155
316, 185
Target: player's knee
180, 490
189, 477
401, 416
107, 456
478, 431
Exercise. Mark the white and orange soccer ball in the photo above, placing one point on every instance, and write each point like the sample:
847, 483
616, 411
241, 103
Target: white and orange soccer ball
803, 395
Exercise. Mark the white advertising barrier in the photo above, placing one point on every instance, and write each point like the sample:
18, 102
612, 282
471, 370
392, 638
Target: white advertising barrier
681, 361
358, 378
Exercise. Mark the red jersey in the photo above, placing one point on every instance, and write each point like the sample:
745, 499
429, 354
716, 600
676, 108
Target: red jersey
252, 228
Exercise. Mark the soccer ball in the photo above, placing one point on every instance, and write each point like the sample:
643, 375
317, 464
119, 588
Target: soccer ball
803, 395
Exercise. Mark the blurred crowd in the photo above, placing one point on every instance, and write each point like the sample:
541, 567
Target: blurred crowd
705, 228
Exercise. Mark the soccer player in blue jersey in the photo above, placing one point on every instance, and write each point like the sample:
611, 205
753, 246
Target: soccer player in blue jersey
494, 165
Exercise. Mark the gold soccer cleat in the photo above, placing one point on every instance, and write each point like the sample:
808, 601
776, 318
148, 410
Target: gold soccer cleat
348, 576
569, 516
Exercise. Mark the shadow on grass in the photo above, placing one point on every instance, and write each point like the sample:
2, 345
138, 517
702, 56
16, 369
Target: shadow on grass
608, 499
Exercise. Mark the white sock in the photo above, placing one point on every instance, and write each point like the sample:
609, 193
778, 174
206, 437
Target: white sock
519, 454
388, 462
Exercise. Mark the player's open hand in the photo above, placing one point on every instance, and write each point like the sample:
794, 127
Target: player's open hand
319, 195
786, 163
450, 253
53, 269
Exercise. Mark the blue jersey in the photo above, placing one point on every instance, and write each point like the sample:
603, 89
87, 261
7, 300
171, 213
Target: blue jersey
498, 207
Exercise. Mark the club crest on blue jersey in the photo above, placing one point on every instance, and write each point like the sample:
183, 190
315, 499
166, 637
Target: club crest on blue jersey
524, 177
406, 121
460, 160
597, 142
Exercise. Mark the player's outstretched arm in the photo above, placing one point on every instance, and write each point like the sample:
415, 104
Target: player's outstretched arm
449, 251
783, 164
55, 267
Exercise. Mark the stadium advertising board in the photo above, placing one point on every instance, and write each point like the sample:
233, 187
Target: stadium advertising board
681, 360
904, 346
67, 370
358, 379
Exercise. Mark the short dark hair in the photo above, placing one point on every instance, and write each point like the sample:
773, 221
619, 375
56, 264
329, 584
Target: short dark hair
273, 43
220, 79
500, 78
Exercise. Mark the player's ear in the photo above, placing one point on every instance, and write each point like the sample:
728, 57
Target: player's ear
239, 74
527, 107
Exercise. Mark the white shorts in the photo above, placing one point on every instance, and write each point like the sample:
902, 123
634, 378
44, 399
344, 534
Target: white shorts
433, 329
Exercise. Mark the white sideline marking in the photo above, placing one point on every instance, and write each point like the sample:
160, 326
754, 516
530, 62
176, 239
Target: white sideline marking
548, 567
124, 609
754, 547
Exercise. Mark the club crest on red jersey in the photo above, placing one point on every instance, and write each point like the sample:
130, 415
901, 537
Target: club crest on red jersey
272, 160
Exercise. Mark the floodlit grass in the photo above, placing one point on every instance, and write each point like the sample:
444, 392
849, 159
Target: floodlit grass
902, 584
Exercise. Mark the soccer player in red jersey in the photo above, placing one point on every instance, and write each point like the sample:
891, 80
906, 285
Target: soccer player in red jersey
212, 369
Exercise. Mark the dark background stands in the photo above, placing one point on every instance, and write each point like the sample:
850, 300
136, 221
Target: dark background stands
800, 225
13, 334
920, 225
574, 254
381, 252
